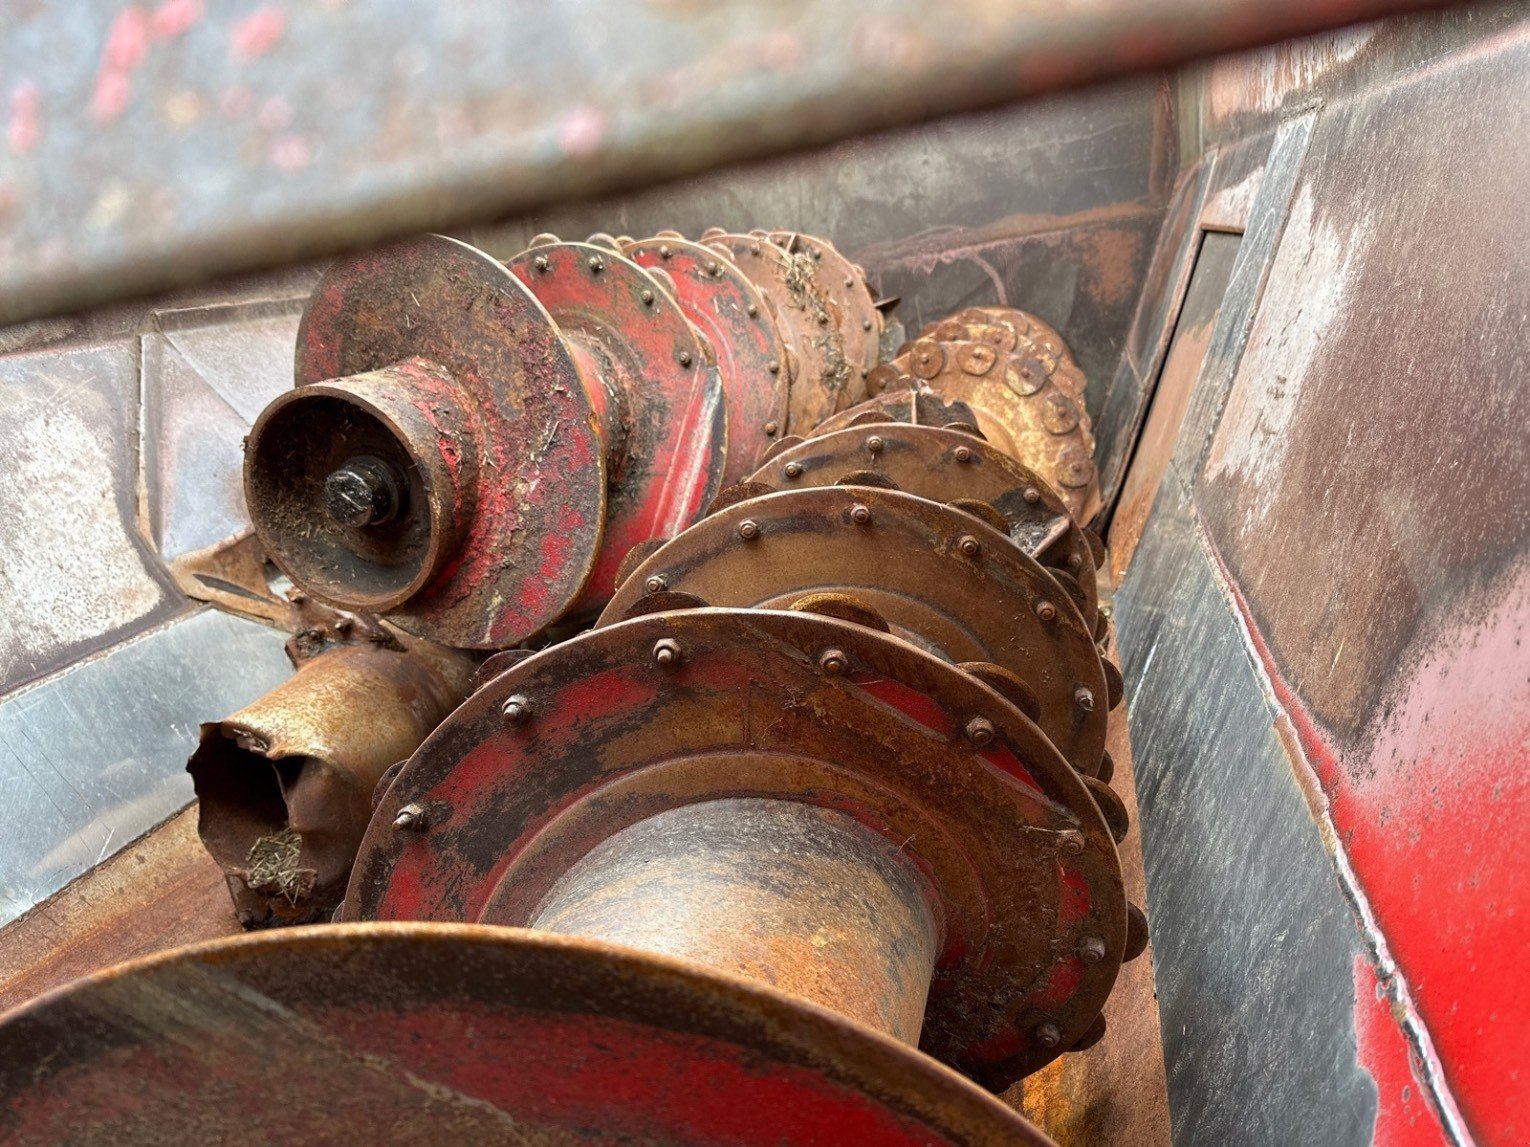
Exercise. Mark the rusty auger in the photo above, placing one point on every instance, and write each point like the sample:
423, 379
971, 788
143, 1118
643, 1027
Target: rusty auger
825, 783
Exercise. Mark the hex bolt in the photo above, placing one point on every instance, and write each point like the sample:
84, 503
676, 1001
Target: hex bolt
1083, 696
1048, 1034
969, 545
1046, 610
749, 529
1031, 495
666, 651
655, 584
1091, 949
542, 263
363, 492
962, 454
860, 514
833, 662
874, 444
979, 731
647, 296
793, 470
516, 709
410, 818
1071, 841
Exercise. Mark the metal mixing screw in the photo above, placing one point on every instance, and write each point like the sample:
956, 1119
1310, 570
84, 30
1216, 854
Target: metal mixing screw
410, 818
980, 731
516, 708
666, 651
833, 662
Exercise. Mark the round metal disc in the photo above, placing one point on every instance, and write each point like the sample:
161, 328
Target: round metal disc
842, 286
429, 1033
948, 466
1006, 330
527, 555
906, 561
608, 736
730, 310
822, 371
1019, 409
666, 396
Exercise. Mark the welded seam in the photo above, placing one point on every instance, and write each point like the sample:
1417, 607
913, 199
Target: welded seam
1389, 974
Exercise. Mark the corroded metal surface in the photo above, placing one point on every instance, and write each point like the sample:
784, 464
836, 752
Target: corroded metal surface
947, 466
431, 359
726, 306
846, 297
659, 399
628, 721
285, 784
942, 578
480, 1035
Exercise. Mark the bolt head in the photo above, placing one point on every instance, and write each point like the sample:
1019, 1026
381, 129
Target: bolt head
1070, 841
770, 429
754, 311
1048, 1034
833, 662
1084, 698
860, 514
874, 444
1031, 495
963, 454
655, 584
361, 493
666, 651
1046, 610
1091, 949
542, 263
969, 545
647, 296
980, 731
685, 358
410, 818
596, 264
774, 367
749, 529
793, 470
516, 708
865, 324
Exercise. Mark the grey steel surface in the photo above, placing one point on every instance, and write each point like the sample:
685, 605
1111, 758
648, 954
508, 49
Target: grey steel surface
96, 756
148, 146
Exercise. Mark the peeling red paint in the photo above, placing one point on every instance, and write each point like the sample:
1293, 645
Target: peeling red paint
25, 126
257, 33
1404, 1116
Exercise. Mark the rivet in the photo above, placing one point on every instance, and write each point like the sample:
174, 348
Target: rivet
1091, 949
774, 367
793, 470
1074, 561
754, 249
542, 263
665, 252
647, 296
596, 264
714, 269
833, 662
749, 529
969, 545
1048, 1034
770, 429
963, 454
860, 514
849, 282
685, 358
1071, 841
666, 651
1085, 699
1031, 495
980, 731
410, 818
1046, 610
865, 324
875, 444
754, 311
655, 584
516, 709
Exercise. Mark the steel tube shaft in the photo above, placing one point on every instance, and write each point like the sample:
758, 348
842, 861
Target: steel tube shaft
804, 898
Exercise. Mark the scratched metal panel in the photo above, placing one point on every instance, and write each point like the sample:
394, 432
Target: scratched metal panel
1255, 946
1368, 488
93, 757
75, 576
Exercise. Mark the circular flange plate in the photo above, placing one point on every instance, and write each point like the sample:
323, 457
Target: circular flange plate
468, 1035
747, 706
1020, 410
843, 288
948, 466
533, 536
821, 370
664, 390
731, 311
906, 561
